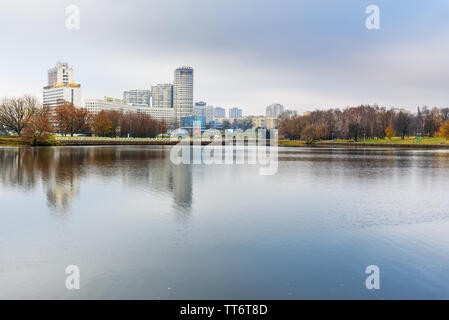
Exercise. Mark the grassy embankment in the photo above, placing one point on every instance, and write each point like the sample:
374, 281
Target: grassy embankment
16, 141
12, 141
395, 141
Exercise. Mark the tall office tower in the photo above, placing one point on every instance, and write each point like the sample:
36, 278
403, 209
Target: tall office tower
201, 109
162, 95
219, 112
274, 110
235, 113
61, 88
61, 73
137, 97
183, 93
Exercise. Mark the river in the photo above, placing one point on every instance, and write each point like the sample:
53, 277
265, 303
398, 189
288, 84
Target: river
140, 227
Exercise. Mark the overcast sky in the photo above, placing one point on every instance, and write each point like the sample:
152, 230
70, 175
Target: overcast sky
249, 54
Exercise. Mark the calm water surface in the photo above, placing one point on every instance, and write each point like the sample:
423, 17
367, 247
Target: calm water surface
141, 227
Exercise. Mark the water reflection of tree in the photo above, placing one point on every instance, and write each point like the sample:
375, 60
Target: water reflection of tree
59, 173
61, 170
19, 167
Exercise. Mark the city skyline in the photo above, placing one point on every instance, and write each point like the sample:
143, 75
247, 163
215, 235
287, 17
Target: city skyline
154, 101
298, 53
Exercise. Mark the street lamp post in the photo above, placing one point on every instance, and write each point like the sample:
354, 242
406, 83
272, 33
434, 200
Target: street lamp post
419, 138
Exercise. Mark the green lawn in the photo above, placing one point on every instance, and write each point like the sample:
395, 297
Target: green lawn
11, 141
397, 140
17, 141
14, 141
291, 143
394, 140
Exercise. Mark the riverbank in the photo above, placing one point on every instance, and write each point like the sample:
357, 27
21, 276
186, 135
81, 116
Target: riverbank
99, 141
396, 142
11, 141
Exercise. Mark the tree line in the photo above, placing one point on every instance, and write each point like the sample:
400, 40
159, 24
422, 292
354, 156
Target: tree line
242, 124
364, 121
34, 123
24, 116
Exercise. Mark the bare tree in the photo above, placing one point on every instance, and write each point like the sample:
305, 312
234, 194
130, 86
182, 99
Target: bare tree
287, 114
16, 112
39, 128
402, 123
108, 123
433, 122
293, 128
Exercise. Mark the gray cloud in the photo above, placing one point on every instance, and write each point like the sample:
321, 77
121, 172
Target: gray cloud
304, 54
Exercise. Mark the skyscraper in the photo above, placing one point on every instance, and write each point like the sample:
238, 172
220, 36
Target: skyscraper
137, 97
235, 113
162, 95
274, 110
61, 73
60, 87
183, 92
219, 112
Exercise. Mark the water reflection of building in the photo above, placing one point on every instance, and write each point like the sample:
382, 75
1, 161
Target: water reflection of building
60, 194
176, 179
62, 171
182, 186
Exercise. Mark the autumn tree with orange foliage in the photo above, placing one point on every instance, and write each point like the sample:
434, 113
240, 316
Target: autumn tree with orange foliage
102, 125
70, 119
116, 119
390, 132
38, 128
293, 127
308, 133
444, 130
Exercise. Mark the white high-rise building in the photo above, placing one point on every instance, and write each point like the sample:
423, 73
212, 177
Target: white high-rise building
61, 73
162, 95
138, 97
55, 95
274, 110
183, 93
60, 87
